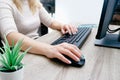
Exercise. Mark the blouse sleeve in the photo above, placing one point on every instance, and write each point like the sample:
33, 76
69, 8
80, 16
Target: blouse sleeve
7, 23
45, 18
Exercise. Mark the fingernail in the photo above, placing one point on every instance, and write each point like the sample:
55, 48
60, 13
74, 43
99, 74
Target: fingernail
70, 33
82, 56
69, 62
77, 59
74, 33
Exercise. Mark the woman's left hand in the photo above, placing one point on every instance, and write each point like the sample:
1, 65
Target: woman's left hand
69, 29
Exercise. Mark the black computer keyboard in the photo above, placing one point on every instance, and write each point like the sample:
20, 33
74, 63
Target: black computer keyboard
76, 39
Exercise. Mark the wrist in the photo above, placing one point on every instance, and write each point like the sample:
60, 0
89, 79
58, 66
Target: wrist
57, 25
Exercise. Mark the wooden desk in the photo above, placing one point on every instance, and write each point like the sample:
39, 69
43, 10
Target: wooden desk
101, 63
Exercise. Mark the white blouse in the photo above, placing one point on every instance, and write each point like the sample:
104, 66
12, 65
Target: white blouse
11, 19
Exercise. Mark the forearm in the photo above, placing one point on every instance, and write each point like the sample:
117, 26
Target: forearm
56, 25
37, 47
47, 50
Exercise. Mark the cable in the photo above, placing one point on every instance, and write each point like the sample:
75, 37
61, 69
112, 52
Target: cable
113, 31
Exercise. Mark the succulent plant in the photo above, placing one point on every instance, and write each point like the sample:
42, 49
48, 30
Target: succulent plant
11, 56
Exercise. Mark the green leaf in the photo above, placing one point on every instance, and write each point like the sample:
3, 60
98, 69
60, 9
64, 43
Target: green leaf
2, 57
14, 67
16, 50
6, 43
4, 61
1, 49
8, 55
17, 47
12, 47
3, 69
11, 59
21, 56
7, 51
5, 64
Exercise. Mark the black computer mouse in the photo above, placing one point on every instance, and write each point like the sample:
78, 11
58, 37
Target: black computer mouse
73, 62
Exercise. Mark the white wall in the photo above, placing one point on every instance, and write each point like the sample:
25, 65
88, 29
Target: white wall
78, 11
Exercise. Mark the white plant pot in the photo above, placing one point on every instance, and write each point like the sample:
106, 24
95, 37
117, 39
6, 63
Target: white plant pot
16, 75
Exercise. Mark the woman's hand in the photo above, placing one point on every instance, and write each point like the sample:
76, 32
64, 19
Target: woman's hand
57, 51
69, 29
64, 28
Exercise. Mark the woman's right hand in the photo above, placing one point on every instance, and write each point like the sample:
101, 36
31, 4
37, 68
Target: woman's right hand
51, 51
57, 51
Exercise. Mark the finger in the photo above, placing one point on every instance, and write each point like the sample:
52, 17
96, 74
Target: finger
76, 50
75, 28
63, 59
73, 49
63, 31
68, 29
72, 29
69, 54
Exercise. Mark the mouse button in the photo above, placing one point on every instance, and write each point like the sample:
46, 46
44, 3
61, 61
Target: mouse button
81, 62
82, 56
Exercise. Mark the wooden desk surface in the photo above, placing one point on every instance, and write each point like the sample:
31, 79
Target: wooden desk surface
101, 63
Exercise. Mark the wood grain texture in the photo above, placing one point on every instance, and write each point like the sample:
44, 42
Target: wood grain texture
101, 63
